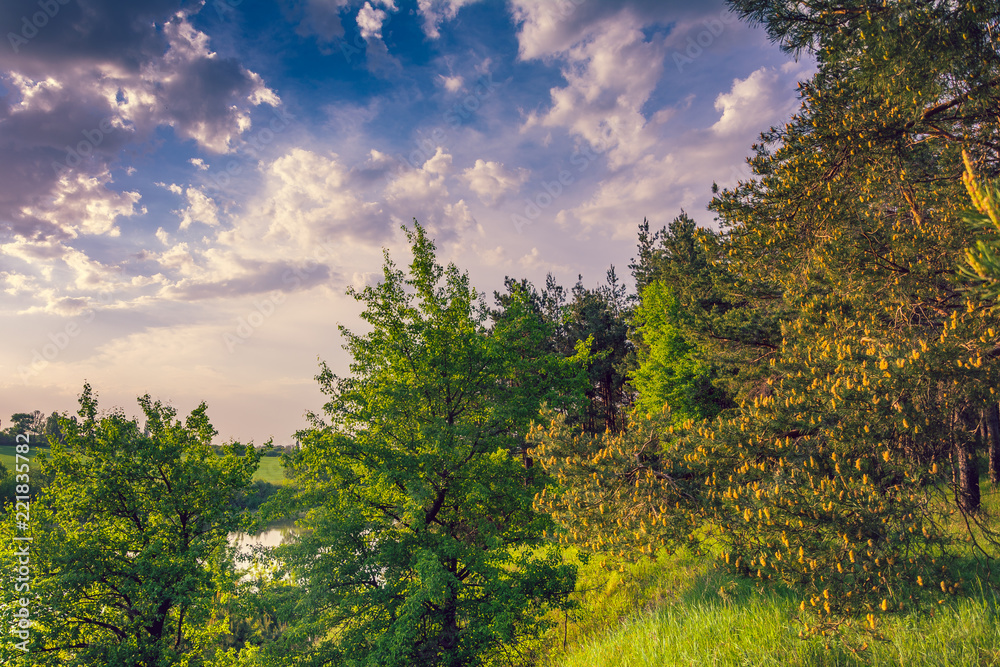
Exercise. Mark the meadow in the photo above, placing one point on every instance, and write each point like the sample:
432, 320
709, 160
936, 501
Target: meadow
7, 454
682, 609
270, 470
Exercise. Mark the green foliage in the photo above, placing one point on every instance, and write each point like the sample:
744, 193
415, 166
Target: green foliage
7, 486
853, 445
129, 545
27, 423
421, 546
728, 321
669, 374
600, 317
984, 259
595, 318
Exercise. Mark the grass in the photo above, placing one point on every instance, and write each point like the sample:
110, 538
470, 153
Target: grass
680, 610
270, 470
7, 454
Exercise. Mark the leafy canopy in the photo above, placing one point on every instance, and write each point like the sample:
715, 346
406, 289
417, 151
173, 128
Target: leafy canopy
422, 547
129, 550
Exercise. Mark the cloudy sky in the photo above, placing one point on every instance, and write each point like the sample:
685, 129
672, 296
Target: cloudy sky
188, 188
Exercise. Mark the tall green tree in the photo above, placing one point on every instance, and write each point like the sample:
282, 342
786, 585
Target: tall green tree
700, 327
129, 551
422, 547
669, 373
601, 315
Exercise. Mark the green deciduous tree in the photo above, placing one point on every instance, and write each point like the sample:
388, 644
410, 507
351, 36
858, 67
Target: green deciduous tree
129, 552
422, 547
668, 372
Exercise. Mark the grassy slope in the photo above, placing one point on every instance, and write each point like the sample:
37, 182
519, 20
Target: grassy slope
696, 615
681, 610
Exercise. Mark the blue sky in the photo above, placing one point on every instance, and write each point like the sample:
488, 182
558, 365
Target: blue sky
188, 188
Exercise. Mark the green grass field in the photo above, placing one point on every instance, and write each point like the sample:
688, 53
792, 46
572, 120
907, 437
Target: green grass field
681, 610
270, 470
7, 454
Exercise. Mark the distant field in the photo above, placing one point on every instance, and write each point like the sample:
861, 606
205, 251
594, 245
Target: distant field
270, 469
7, 454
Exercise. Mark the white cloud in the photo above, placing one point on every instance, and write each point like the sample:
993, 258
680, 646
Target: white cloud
370, 21
760, 95
309, 196
681, 174
491, 180
426, 183
452, 84
201, 208
83, 204
63, 280
599, 104
436, 12
202, 96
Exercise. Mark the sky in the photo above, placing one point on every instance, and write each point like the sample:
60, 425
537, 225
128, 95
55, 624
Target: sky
188, 189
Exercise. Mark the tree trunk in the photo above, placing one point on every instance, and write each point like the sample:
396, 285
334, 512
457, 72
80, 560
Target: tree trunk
967, 489
993, 440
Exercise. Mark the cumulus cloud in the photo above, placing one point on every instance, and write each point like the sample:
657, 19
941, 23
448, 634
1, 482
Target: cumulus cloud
425, 183
82, 204
370, 21
763, 94
436, 12
678, 177
55, 277
551, 28
83, 89
600, 105
201, 208
310, 197
491, 180
289, 237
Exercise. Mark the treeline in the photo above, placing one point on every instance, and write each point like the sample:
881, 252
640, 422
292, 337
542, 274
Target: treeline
807, 392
